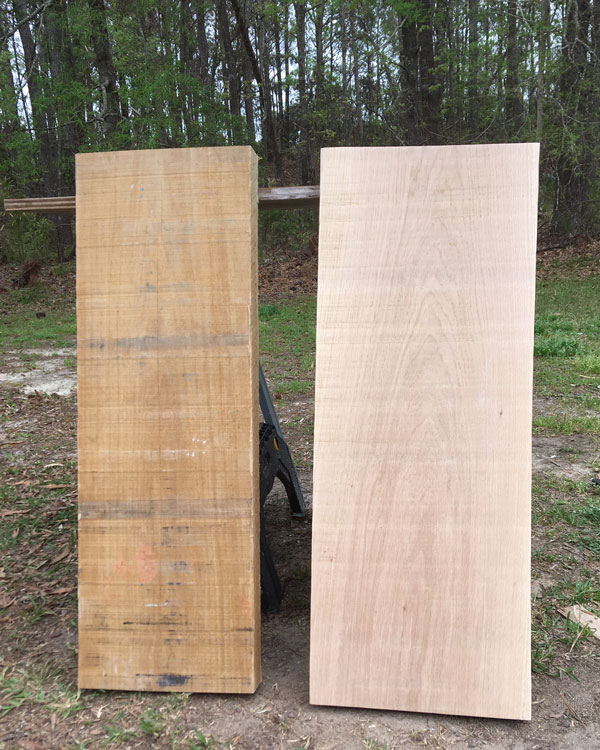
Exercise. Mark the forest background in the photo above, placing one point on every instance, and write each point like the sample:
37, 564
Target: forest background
290, 78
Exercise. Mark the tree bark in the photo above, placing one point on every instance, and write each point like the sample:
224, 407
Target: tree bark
269, 133
305, 150
410, 83
472, 87
107, 77
357, 120
231, 70
542, 48
431, 88
514, 107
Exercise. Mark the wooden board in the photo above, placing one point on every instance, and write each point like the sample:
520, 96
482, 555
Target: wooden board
268, 199
169, 593
422, 459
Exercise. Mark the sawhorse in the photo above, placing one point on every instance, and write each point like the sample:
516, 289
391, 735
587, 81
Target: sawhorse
275, 462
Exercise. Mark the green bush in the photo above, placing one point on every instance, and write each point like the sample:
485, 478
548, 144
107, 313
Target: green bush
24, 236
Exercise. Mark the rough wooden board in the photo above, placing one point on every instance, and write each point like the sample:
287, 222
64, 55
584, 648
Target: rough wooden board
169, 593
422, 458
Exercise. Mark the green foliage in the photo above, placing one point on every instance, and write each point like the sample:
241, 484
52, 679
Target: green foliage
23, 236
285, 230
557, 345
556, 336
588, 363
162, 81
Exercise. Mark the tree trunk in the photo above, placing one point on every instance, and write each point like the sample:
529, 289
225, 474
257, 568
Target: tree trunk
357, 120
107, 77
305, 149
38, 112
280, 112
472, 87
249, 99
431, 88
573, 211
231, 71
286, 54
514, 108
542, 47
264, 89
410, 83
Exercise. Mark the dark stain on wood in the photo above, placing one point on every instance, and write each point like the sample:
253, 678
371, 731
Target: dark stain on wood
172, 680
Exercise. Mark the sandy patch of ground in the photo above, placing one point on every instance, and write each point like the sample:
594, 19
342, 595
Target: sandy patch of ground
45, 372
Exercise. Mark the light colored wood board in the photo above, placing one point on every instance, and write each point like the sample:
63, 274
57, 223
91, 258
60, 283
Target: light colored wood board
169, 591
422, 457
582, 616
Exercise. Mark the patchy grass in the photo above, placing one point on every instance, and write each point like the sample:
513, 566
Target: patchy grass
39, 683
565, 425
38, 542
566, 514
287, 345
589, 364
36, 316
566, 518
567, 334
289, 326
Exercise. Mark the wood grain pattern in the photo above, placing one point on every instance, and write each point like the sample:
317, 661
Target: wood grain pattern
422, 463
169, 593
303, 196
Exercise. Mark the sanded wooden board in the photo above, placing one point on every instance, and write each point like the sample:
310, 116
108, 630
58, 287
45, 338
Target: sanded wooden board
422, 457
169, 592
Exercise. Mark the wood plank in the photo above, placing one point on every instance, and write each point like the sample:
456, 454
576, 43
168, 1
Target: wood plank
288, 197
60, 205
268, 199
422, 457
169, 591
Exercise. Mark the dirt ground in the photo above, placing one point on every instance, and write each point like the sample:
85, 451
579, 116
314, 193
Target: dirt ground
42, 710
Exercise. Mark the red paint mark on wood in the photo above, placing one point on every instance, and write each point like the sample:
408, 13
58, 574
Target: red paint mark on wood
245, 606
146, 563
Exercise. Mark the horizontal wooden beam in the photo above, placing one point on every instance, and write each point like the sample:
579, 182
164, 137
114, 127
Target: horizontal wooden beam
63, 205
268, 199
288, 197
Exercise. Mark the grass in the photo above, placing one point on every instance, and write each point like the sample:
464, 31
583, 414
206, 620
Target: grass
287, 345
37, 535
568, 511
588, 364
20, 326
39, 683
288, 326
567, 514
565, 425
555, 637
567, 334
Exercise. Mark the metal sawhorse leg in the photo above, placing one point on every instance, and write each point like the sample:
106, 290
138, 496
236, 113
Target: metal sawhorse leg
275, 462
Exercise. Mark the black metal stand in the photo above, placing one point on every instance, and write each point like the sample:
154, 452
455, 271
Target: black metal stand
275, 462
